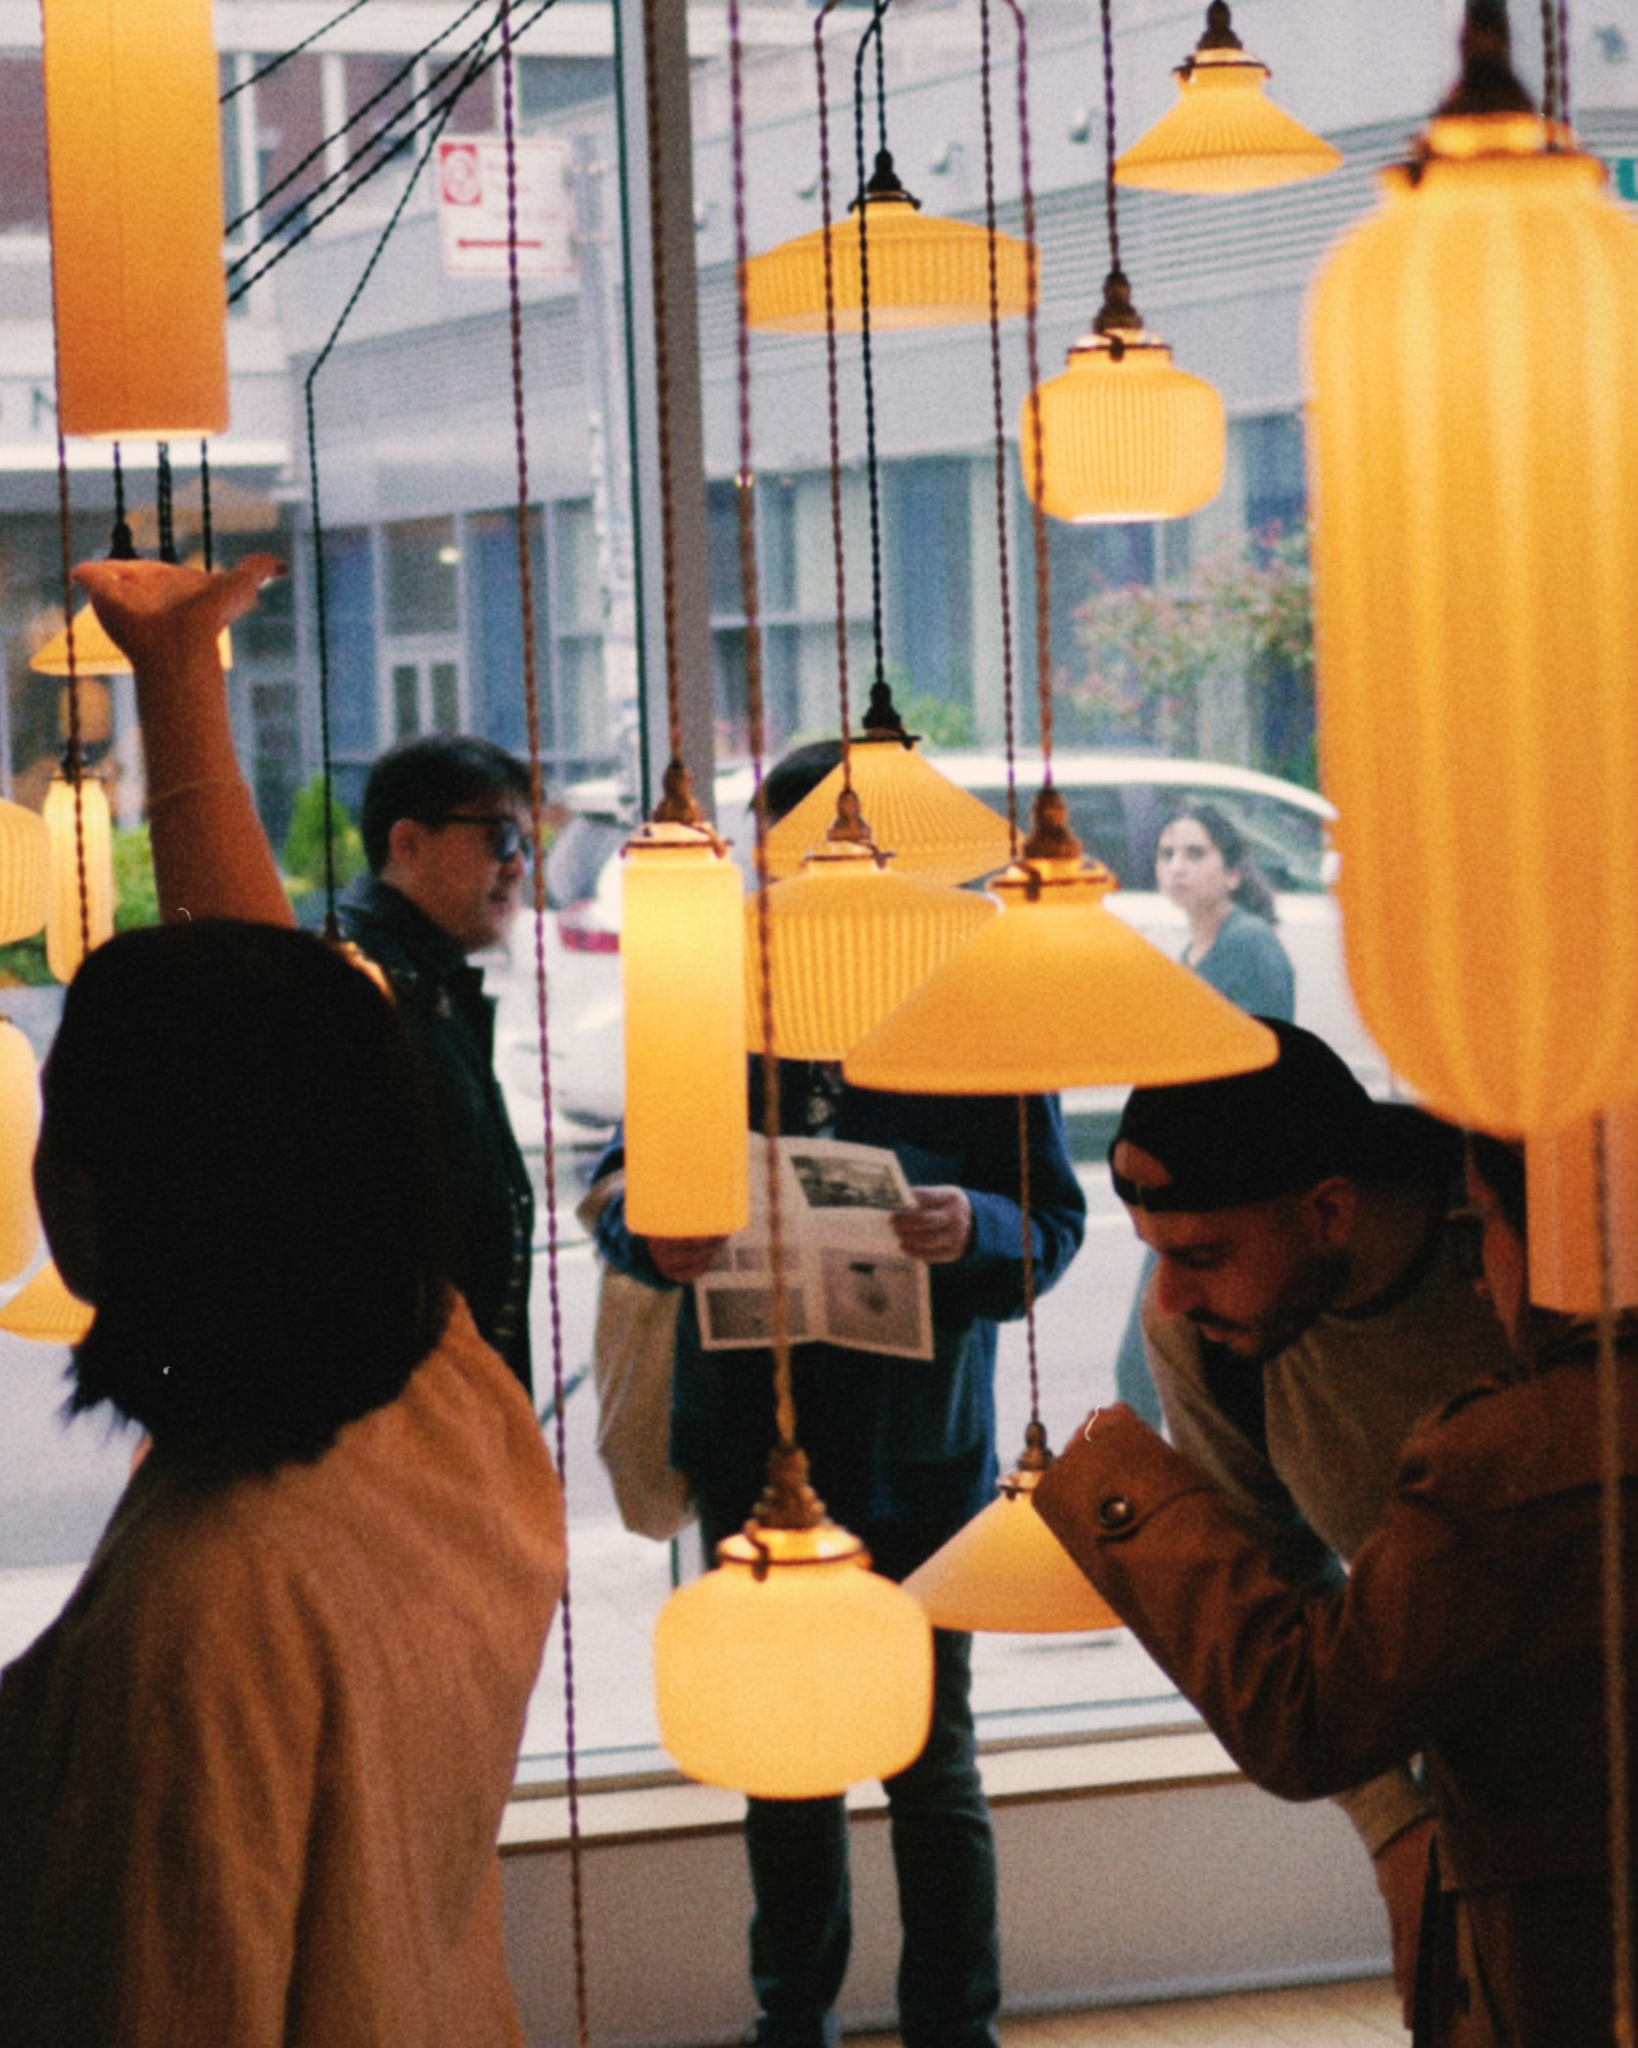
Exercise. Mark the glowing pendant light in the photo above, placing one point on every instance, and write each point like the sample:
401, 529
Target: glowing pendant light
136, 217
1056, 993
682, 964
1224, 134
792, 1671
25, 869
94, 653
44, 1310
1476, 608
923, 271
19, 1125
1006, 1571
1565, 1181
68, 935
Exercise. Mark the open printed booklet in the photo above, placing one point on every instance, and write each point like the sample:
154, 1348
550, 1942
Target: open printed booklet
846, 1280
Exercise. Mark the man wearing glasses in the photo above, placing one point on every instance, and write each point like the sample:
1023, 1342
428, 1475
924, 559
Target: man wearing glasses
446, 828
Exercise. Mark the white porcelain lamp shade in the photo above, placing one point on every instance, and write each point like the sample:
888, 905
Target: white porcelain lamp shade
1124, 435
25, 872
682, 963
1475, 550
43, 1309
1224, 134
19, 1126
82, 841
1569, 1238
136, 218
796, 1681
1006, 1572
1057, 993
931, 828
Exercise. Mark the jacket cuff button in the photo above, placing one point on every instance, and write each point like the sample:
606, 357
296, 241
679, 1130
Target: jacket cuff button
1116, 1512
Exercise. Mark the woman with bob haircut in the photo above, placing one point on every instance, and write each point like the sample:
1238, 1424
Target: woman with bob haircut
252, 1777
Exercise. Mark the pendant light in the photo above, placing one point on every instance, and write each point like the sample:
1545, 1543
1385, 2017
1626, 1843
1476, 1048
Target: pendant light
1224, 134
25, 870
1476, 608
80, 830
94, 653
43, 1310
19, 1126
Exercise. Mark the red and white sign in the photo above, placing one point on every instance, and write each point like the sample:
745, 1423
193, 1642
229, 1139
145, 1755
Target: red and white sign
472, 208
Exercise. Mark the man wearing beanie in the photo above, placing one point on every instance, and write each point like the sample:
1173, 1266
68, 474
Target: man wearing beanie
1308, 1304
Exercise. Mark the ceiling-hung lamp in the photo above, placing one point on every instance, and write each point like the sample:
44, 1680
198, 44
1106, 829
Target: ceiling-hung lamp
134, 153
1121, 435
80, 913
1224, 134
19, 1125
43, 1309
94, 653
25, 872
1476, 607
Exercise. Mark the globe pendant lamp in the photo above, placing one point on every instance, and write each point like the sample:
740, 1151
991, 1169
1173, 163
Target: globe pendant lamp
1582, 1194
1056, 993
1122, 434
923, 271
19, 1125
1476, 604
683, 969
1005, 1571
1224, 134
792, 1670
82, 855
25, 870
43, 1309
134, 155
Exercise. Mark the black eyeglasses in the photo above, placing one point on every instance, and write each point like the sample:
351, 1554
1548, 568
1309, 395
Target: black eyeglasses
507, 838
1466, 1226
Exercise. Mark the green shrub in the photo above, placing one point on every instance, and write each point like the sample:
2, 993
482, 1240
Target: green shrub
303, 857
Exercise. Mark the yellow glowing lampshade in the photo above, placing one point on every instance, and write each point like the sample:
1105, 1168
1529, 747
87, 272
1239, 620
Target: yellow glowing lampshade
19, 1126
1567, 1240
682, 959
1224, 134
1473, 436
848, 940
94, 653
25, 872
1124, 435
43, 1308
136, 218
923, 271
1006, 1572
1057, 993
793, 1671
933, 829
65, 932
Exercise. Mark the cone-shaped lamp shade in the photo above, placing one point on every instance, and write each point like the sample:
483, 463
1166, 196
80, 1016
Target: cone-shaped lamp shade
848, 940
924, 272
65, 938
1126, 436
1006, 1572
25, 870
1224, 134
44, 1309
1562, 1174
136, 218
1057, 993
95, 654
1475, 559
19, 1125
796, 1684
682, 955
933, 829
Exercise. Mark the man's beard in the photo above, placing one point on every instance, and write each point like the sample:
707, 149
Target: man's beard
1314, 1284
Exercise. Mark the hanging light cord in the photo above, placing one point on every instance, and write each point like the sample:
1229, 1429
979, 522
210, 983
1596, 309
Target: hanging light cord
164, 505
662, 383
833, 394
72, 760
1110, 216
206, 534
872, 469
1032, 348
1002, 469
121, 547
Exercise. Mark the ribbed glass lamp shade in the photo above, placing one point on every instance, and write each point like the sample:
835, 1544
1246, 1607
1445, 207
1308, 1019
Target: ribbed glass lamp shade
934, 830
19, 1126
1567, 1242
136, 218
848, 940
798, 1682
1476, 619
1126, 436
65, 939
25, 872
1057, 993
1006, 1572
44, 1310
94, 653
682, 962
924, 272
1224, 134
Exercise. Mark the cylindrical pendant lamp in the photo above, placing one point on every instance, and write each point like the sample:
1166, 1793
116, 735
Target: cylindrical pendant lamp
25, 872
1473, 438
136, 218
19, 1126
936, 831
1006, 1572
66, 931
43, 1309
682, 962
1582, 1208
